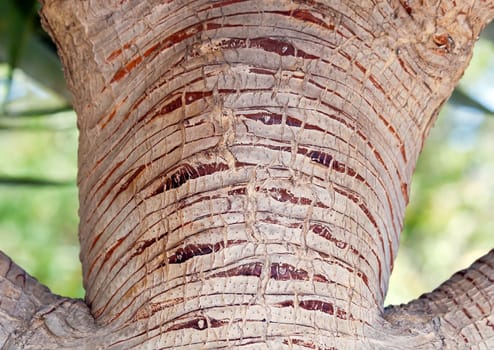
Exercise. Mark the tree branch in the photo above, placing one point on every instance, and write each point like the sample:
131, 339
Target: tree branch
460, 311
34, 318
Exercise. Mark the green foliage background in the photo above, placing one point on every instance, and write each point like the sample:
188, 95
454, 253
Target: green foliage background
449, 221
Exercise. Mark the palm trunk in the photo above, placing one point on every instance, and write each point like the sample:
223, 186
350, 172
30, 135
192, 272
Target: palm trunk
244, 167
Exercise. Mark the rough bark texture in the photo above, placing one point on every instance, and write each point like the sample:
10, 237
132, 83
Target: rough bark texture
244, 167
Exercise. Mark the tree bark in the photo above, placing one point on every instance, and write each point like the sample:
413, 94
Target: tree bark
244, 167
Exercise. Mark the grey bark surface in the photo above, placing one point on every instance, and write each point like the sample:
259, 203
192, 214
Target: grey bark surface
244, 168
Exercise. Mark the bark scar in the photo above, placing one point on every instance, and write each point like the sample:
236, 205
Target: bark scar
444, 42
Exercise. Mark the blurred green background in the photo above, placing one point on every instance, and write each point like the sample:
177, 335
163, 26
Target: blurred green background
449, 221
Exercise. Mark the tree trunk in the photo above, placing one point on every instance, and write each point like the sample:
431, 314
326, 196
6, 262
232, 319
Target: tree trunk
244, 168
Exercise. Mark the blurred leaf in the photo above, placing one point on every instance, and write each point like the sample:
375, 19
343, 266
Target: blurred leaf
43, 65
27, 181
24, 45
488, 32
16, 18
26, 7
43, 113
17, 127
55, 119
461, 99
30, 99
